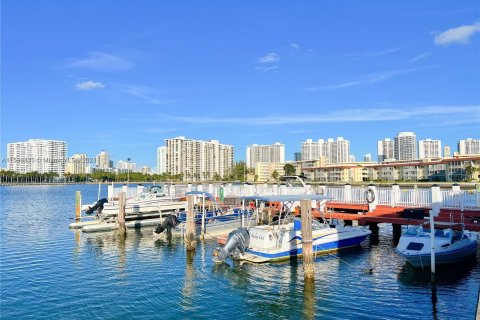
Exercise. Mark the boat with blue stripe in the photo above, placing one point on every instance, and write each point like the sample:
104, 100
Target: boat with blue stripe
282, 239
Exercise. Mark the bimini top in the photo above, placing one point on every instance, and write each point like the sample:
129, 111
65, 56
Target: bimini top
208, 195
287, 198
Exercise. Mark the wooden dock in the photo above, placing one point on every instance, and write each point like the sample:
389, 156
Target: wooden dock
393, 215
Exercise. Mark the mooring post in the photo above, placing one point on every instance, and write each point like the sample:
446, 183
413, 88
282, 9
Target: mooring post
190, 232
121, 215
307, 245
78, 205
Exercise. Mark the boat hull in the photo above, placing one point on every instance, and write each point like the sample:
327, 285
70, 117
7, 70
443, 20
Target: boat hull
320, 246
455, 255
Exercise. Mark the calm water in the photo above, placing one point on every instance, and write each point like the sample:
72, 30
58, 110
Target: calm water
49, 271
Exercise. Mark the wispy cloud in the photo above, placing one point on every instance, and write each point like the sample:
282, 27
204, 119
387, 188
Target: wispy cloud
266, 68
269, 58
148, 94
420, 57
425, 114
89, 85
378, 53
295, 46
368, 80
102, 61
460, 34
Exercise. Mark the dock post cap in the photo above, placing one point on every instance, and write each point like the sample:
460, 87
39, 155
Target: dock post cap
371, 185
455, 184
435, 185
347, 184
395, 184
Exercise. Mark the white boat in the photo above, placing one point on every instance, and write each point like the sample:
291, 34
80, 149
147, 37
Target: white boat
213, 221
451, 246
152, 200
282, 240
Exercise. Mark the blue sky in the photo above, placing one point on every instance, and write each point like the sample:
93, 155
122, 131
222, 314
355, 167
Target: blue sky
124, 75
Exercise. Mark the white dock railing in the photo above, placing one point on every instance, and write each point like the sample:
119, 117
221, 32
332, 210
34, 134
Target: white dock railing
392, 196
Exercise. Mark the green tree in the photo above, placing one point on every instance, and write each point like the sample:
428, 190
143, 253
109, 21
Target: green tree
289, 169
275, 175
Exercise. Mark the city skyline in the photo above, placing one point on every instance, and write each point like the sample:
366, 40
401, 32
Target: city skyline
250, 73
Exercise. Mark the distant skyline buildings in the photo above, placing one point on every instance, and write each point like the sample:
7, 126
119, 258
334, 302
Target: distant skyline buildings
273, 153
79, 163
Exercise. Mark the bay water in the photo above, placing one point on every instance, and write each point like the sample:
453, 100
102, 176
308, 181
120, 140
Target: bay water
48, 271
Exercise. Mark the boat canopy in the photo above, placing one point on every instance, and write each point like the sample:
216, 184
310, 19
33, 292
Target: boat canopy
208, 195
287, 198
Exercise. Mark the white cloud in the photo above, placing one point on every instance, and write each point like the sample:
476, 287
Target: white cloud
148, 94
101, 61
269, 58
89, 85
420, 57
266, 68
460, 34
295, 46
367, 80
424, 113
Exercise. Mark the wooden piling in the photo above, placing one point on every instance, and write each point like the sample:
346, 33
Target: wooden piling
121, 215
190, 225
78, 205
307, 245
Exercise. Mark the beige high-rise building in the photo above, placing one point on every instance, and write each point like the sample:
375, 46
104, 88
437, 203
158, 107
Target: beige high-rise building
103, 160
38, 155
265, 153
447, 152
77, 164
198, 160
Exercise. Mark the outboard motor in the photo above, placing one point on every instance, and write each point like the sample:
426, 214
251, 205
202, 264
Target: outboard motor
168, 223
237, 239
98, 206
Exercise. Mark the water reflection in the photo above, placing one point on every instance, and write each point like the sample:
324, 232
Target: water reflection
309, 299
445, 275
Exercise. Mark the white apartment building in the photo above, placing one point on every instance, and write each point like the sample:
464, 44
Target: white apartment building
405, 146
446, 152
198, 160
312, 150
265, 153
385, 150
77, 164
367, 157
429, 149
161, 160
124, 166
469, 146
102, 160
335, 151
38, 155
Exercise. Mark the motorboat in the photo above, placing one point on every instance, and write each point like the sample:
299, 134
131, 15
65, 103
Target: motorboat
154, 199
451, 246
282, 239
212, 219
